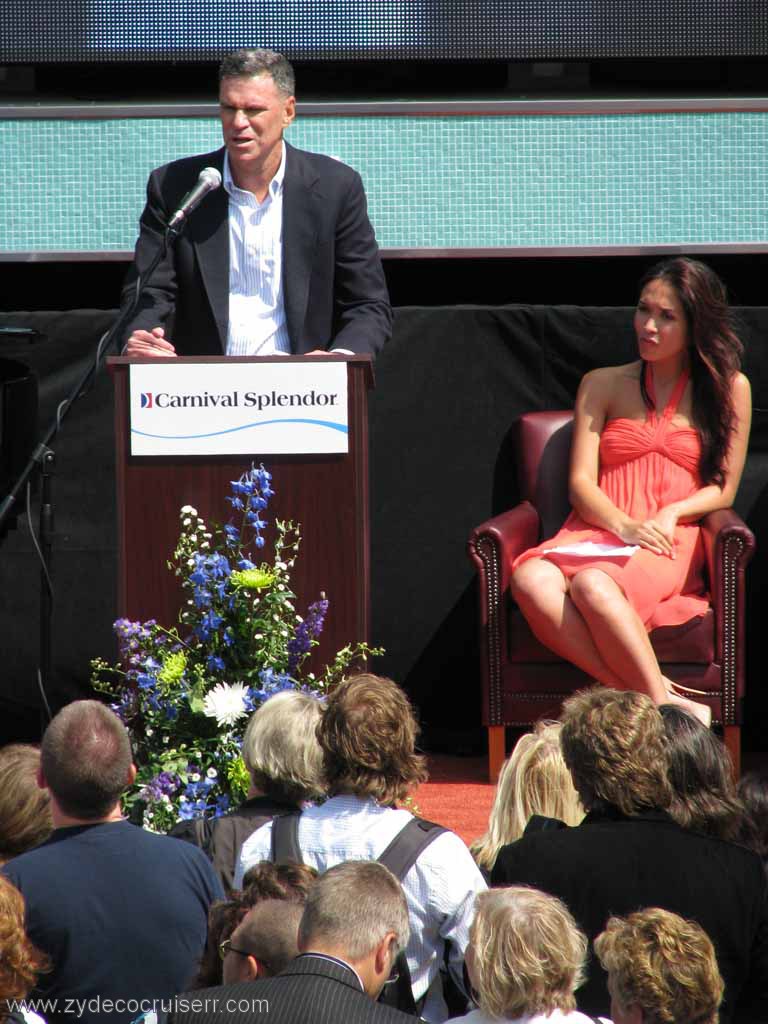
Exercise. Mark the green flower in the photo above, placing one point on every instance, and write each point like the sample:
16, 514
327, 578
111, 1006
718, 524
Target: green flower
238, 777
174, 665
251, 579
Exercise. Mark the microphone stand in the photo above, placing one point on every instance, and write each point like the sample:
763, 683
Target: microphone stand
43, 461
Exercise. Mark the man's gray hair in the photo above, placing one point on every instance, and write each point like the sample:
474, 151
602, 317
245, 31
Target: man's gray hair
85, 757
255, 63
352, 907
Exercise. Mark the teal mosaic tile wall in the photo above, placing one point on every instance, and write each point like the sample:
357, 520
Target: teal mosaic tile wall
432, 182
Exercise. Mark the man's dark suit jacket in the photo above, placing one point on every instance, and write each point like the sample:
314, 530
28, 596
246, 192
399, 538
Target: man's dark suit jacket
613, 865
333, 283
311, 990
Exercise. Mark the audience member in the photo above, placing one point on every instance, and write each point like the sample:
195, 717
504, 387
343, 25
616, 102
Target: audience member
533, 781
354, 922
264, 942
265, 881
20, 961
753, 792
25, 813
368, 734
525, 959
122, 913
285, 763
661, 969
629, 853
701, 774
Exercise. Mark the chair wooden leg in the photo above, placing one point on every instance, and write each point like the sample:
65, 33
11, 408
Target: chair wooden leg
732, 738
496, 751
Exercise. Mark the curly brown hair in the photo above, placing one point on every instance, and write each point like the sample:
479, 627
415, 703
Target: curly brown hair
20, 961
715, 352
616, 750
263, 881
368, 735
664, 965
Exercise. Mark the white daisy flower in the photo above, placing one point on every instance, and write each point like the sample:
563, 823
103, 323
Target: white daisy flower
226, 703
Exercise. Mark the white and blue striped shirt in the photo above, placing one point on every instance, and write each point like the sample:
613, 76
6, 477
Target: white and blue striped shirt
257, 324
440, 888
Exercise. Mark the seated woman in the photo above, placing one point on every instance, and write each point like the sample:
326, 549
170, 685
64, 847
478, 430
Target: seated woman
533, 781
657, 444
660, 968
525, 959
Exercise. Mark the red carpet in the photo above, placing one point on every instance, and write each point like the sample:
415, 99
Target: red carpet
457, 794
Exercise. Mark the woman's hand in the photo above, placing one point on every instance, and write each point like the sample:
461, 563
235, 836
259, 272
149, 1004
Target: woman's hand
656, 534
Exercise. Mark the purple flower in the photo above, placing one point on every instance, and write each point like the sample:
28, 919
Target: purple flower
300, 644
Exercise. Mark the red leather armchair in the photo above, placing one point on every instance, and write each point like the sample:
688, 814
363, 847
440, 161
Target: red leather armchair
522, 680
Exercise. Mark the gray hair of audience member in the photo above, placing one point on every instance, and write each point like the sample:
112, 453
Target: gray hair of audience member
701, 773
526, 954
280, 748
533, 780
616, 750
256, 63
25, 809
351, 908
86, 759
270, 933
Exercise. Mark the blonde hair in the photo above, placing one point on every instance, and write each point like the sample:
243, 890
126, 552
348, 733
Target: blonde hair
663, 964
527, 954
533, 780
280, 747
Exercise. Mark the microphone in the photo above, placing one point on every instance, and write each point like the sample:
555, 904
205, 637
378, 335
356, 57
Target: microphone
208, 181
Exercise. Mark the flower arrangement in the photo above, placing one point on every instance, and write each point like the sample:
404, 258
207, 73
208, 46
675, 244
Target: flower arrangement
185, 692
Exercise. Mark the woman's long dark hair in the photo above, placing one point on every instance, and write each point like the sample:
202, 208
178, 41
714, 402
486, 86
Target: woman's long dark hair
715, 353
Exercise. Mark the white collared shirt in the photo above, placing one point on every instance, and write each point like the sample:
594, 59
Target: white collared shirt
440, 888
257, 324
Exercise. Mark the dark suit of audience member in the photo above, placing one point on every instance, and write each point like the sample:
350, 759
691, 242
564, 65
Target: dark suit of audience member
628, 854
354, 921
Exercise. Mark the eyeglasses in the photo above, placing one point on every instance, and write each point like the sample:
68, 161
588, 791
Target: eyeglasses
227, 947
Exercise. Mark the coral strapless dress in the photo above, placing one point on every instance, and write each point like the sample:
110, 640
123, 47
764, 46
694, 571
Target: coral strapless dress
644, 466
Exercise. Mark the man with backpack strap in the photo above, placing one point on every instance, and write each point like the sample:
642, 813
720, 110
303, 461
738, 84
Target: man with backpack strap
368, 734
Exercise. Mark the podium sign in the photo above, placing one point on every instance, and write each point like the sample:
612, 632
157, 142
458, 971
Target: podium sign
325, 489
274, 408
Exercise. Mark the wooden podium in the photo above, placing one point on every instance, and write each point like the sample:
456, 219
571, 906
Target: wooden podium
327, 495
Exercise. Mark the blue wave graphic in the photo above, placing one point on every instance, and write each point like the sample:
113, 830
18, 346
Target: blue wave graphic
246, 426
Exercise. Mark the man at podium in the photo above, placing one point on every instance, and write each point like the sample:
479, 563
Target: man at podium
281, 259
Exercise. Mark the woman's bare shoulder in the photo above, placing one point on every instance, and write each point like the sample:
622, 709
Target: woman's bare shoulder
605, 379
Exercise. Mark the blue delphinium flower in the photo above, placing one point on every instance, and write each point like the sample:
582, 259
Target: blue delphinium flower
250, 495
307, 631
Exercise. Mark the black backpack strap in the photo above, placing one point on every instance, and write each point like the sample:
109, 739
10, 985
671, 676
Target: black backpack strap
285, 839
400, 856
408, 845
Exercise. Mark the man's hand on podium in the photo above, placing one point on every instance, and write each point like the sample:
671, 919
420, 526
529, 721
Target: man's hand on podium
149, 343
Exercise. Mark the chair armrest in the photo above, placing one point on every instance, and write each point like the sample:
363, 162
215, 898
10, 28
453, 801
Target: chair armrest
728, 547
502, 539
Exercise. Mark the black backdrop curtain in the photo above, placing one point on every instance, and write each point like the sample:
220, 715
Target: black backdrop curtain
448, 388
